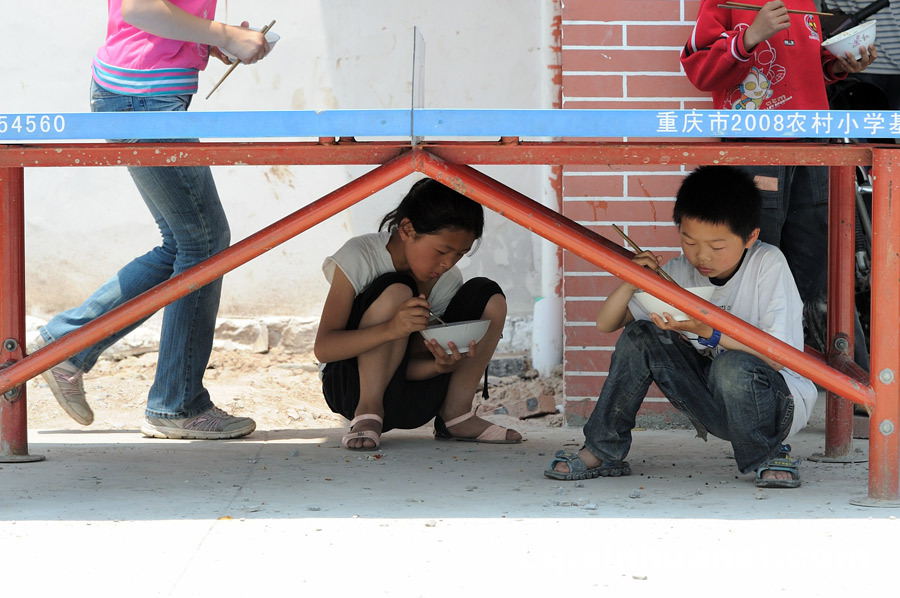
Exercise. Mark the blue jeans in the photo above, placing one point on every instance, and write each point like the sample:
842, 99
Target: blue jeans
736, 396
185, 205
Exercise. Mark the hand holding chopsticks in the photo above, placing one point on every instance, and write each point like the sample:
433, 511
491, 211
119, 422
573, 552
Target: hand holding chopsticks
237, 62
745, 6
659, 271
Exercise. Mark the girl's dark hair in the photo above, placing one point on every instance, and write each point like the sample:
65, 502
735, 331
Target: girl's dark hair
720, 195
432, 206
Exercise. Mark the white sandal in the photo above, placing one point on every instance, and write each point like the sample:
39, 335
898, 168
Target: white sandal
494, 434
372, 435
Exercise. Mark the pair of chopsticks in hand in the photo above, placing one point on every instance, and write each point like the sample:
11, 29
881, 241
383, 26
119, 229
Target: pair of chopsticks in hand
659, 271
745, 6
230, 70
437, 317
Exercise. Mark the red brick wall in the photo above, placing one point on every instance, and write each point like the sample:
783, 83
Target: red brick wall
617, 54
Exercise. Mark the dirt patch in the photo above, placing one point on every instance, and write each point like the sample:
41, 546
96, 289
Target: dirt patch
279, 389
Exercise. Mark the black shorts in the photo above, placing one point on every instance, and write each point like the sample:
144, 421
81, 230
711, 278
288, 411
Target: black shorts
408, 404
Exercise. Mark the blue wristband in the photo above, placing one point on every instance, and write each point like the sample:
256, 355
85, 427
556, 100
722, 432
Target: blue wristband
712, 341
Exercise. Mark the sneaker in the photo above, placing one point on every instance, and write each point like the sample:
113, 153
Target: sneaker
65, 381
212, 424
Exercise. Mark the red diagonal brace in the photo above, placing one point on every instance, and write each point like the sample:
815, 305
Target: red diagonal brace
604, 253
204, 273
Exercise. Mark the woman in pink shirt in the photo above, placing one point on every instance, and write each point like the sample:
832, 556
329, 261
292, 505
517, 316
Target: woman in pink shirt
153, 52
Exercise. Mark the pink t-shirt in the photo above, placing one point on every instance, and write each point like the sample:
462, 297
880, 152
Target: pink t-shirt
134, 62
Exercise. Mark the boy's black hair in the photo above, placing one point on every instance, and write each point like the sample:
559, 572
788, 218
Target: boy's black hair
720, 195
432, 206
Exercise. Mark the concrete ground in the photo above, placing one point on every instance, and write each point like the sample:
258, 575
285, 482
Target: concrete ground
288, 512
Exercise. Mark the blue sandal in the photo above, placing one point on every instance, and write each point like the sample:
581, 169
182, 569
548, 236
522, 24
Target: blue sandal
780, 462
578, 469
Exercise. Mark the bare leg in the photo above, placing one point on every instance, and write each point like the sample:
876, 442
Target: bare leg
465, 379
377, 366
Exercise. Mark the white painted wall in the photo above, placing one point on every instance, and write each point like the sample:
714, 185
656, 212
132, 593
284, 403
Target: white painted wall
83, 223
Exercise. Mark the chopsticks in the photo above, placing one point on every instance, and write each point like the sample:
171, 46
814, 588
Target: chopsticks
745, 6
237, 62
659, 271
437, 317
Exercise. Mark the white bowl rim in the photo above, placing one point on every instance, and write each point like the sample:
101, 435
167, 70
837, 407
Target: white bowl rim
710, 289
850, 32
449, 325
452, 324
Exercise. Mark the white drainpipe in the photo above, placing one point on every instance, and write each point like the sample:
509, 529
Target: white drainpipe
547, 330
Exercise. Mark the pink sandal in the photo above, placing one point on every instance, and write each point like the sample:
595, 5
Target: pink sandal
372, 435
494, 434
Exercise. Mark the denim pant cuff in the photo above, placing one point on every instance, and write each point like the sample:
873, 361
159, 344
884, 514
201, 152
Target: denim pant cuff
197, 410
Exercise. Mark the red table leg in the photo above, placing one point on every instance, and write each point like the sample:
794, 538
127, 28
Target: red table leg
884, 420
841, 307
13, 425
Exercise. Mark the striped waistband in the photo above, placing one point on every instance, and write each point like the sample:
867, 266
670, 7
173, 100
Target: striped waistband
157, 82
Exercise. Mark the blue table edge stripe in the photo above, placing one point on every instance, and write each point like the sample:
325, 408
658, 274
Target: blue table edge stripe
451, 123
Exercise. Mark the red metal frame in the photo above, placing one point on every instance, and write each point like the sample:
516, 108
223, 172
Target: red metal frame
442, 161
13, 433
884, 446
513, 151
842, 302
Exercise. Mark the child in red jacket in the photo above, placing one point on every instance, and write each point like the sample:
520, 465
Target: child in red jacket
763, 60
772, 59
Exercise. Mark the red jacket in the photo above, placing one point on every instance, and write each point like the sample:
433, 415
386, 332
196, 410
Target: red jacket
788, 71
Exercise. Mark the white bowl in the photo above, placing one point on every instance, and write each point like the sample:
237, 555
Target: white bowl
658, 306
271, 38
850, 41
461, 333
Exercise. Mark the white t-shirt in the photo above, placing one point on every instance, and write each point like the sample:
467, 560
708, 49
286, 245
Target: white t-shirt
762, 293
363, 259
